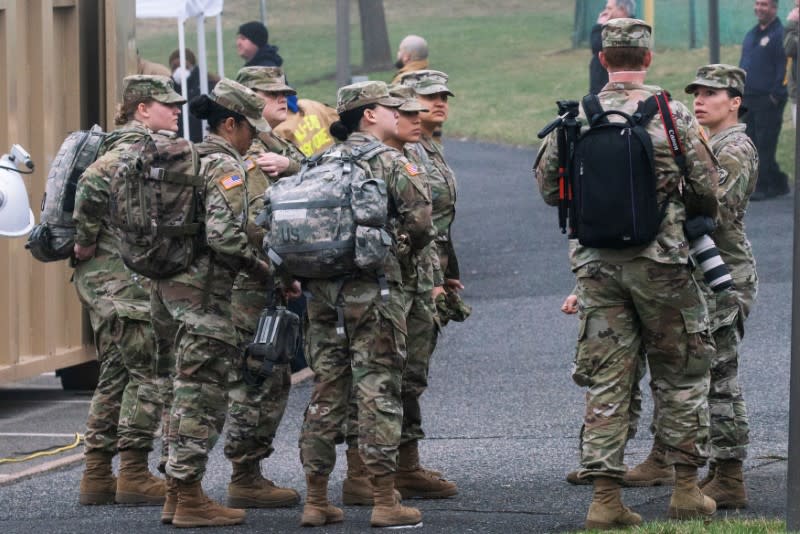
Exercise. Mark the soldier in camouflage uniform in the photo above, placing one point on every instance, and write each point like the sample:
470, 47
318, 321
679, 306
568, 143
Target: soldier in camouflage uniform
371, 355
420, 273
256, 411
430, 86
643, 295
192, 310
718, 97
127, 404
718, 93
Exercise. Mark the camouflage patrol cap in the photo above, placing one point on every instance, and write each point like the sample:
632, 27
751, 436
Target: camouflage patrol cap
719, 76
631, 33
427, 82
409, 97
364, 93
236, 97
159, 88
267, 79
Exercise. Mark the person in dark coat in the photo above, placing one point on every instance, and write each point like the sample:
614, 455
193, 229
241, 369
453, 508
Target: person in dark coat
252, 45
765, 95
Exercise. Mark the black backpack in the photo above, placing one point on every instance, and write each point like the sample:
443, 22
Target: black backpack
613, 176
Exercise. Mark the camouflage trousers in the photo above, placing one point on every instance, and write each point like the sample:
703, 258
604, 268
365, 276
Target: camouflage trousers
635, 403
423, 330
367, 362
125, 410
630, 307
205, 347
254, 412
730, 431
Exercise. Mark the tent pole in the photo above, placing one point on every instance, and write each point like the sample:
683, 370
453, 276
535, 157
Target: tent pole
220, 51
201, 56
184, 90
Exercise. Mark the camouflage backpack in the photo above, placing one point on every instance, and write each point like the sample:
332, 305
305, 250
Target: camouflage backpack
54, 237
328, 220
156, 205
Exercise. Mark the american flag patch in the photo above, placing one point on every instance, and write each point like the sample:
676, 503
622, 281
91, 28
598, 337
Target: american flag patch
412, 169
229, 182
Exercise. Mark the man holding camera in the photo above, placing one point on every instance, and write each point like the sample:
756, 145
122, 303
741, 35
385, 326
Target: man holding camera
643, 296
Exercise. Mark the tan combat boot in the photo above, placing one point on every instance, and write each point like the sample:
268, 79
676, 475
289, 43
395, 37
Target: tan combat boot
195, 509
712, 468
136, 484
652, 472
170, 501
727, 486
356, 489
572, 478
413, 481
249, 489
687, 501
607, 511
98, 485
387, 511
317, 511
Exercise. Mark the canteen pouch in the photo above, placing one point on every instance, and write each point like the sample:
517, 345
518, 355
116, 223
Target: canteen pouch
372, 247
275, 342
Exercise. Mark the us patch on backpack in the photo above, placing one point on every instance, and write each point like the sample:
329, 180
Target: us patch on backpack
156, 206
54, 237
329, 219
613, 177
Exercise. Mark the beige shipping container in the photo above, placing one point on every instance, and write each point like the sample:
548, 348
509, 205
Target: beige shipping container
61, 66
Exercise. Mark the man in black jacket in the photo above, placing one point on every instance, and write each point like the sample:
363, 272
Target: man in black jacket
615, 9
252, 45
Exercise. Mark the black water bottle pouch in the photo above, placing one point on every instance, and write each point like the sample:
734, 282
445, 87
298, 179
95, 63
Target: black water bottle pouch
275, 342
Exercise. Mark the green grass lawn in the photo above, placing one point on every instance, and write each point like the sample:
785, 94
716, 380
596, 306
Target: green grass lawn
508, 60
747, 526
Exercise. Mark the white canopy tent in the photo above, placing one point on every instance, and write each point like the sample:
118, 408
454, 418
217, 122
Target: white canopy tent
184, 10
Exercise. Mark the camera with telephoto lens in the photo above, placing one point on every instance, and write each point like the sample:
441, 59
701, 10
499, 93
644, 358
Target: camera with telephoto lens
705, 254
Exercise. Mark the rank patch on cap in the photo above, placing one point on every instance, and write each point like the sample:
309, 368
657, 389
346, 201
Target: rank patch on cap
412, 169
229, 182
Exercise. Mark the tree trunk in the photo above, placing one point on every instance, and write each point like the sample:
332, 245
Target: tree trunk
374, 35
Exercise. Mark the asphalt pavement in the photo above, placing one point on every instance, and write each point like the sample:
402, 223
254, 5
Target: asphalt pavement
501, 413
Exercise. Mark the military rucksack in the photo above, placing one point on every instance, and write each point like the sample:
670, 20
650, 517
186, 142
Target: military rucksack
54, 237
329, 219
156, 205
613, 178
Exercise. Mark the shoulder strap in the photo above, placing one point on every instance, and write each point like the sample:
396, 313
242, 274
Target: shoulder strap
673, 140
592, 108
369, 150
